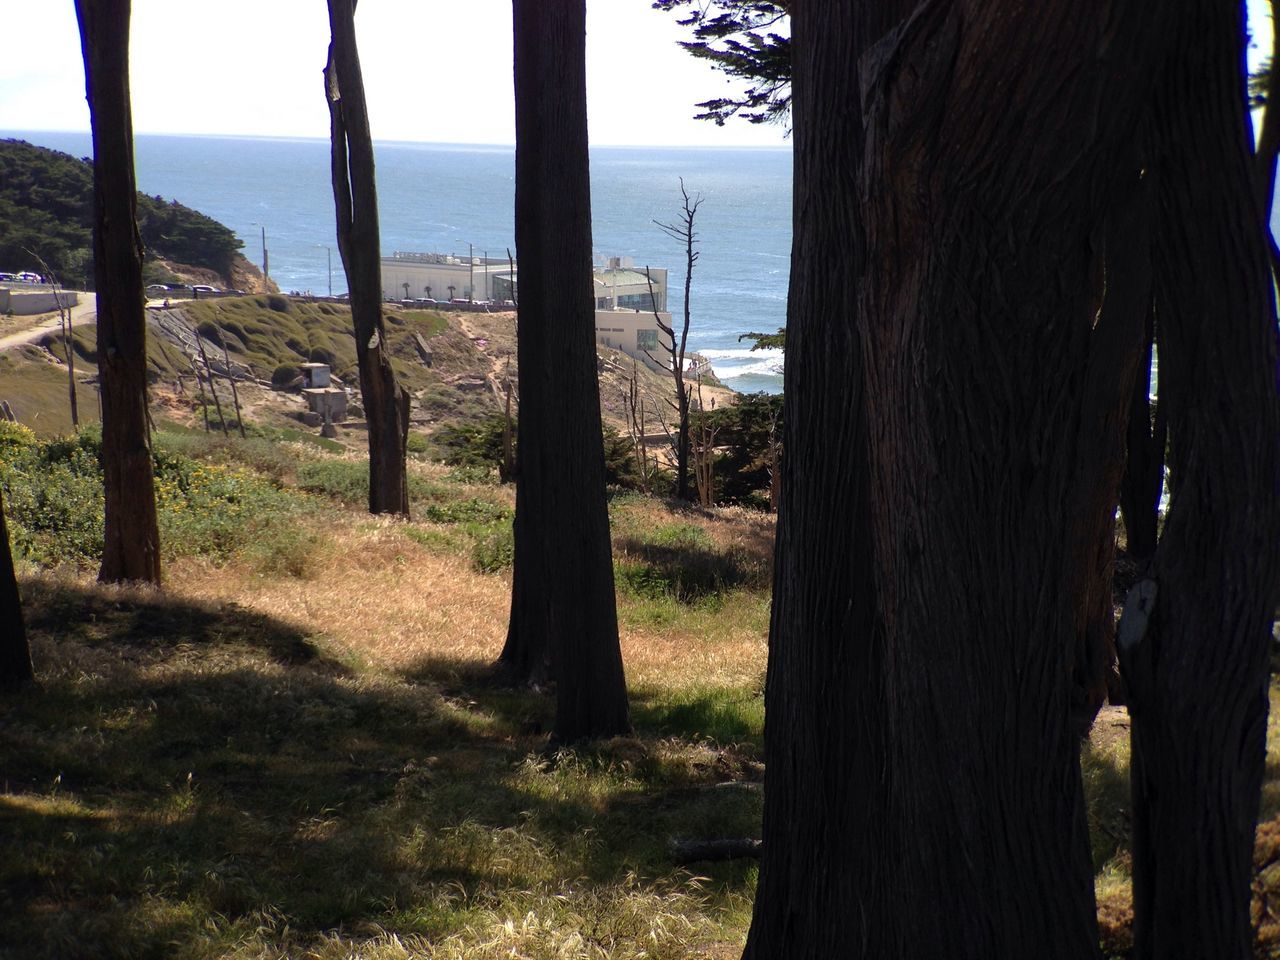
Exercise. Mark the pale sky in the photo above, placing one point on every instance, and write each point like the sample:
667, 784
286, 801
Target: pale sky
434, 71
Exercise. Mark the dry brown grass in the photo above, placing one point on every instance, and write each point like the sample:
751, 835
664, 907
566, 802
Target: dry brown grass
381, 600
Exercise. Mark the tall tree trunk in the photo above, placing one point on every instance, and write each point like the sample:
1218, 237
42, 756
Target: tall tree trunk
1197, 679
386, 403
563, 597
131, 543
820, 891
952, 464
15, 654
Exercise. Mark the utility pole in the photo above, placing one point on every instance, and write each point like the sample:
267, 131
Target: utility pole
329, 256
471, 263
266, 274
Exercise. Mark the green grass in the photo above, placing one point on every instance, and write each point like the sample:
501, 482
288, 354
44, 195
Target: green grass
38, 394
270, 330
194, 780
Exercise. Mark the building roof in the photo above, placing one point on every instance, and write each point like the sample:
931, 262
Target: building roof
619, 277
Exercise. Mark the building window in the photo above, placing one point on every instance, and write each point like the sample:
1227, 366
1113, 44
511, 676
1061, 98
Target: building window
647, 340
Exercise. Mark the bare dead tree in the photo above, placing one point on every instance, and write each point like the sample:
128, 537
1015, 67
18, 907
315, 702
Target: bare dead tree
64, 325
507, 469
235, 394
208, 372
637, 425
683, 232
703, 450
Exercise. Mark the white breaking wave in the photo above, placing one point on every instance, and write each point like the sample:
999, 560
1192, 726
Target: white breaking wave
730, 363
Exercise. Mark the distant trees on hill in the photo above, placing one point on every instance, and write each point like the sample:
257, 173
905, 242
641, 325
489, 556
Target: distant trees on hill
46, 207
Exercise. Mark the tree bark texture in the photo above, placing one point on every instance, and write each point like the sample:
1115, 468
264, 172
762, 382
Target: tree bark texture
131, 544
355, 197
954, 451
563, 593
1198, 679
15, 653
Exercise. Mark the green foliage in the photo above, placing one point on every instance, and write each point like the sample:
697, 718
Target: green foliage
470, 510
478, 445
478, 476
766, 341
495, 551
744, 430
348, 481
53, 494
46, 206
475, 444
740, 38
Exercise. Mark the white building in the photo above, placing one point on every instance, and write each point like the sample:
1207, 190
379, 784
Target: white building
626, 297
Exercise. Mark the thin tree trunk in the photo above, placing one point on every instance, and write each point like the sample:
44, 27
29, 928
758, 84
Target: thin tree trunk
563, 595
131, 542
386, 403
952, 459
213, 387
1197, 678
15, 653
235, 394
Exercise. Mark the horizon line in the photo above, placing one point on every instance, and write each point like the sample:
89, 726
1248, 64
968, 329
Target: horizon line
389, 141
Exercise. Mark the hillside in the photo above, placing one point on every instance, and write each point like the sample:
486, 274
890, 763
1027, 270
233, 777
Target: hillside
46, 207
472, 358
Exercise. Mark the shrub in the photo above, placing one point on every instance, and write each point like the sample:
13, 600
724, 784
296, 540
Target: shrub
278, 303
471, 510
495, 551
285, 374
210, 331
53, 492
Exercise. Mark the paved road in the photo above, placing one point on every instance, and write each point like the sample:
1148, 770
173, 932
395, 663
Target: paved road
82, 314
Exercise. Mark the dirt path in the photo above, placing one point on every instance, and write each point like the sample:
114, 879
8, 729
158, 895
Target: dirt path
83, 313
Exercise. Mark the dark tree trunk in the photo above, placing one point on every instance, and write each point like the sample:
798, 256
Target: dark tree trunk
1197, 679
1144, 467
15, 654
563, 599
131, 543
386, 403
953, 457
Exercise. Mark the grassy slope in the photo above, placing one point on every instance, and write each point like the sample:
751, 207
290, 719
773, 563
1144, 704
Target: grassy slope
294, 747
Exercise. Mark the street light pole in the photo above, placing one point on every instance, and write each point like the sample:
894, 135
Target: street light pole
471, 261
329, 256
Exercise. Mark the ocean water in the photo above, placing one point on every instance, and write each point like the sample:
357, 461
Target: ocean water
442, 197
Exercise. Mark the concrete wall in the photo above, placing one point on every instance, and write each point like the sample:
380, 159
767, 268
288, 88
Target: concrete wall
396, 273
23, 304
622, 329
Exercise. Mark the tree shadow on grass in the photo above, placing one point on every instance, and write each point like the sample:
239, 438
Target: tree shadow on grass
686, 572
145, 619
191, 777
